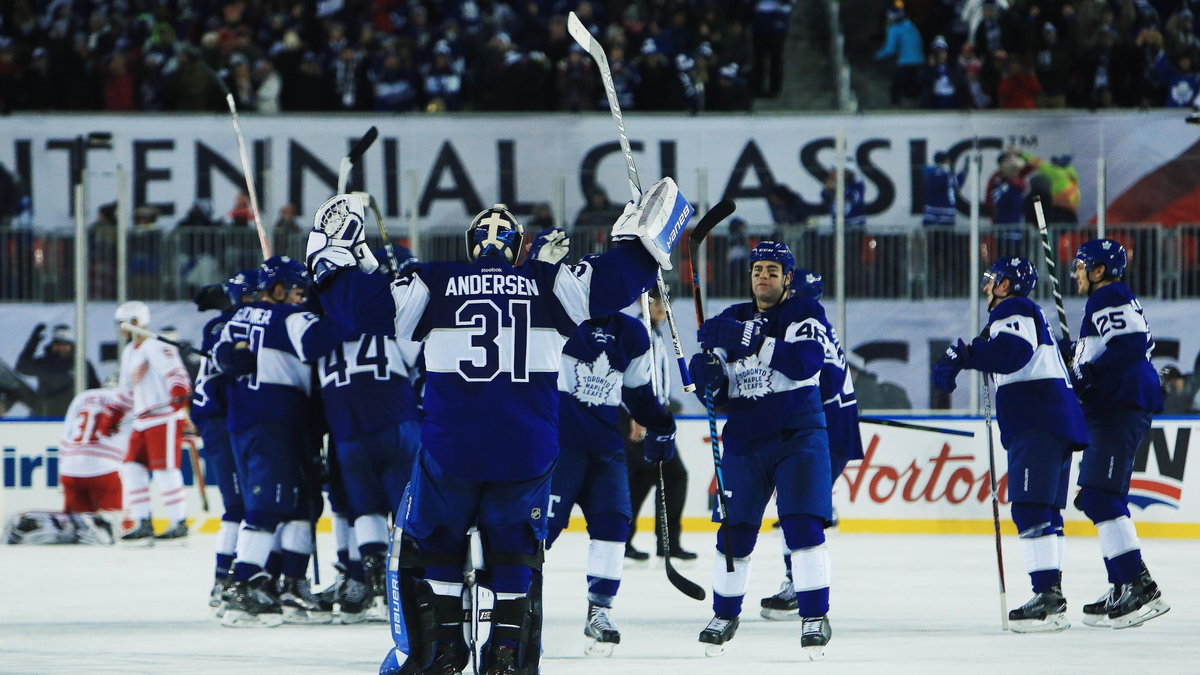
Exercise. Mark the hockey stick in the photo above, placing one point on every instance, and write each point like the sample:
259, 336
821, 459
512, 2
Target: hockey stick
244, 156
685, 585
353, 157
390, 247
1051, 269
987, 425
197, 473
581, 35
146, 333
915, 427
716, 214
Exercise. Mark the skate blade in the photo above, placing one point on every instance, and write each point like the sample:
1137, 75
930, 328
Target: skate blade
714, 650
1156, 607
816, 653
1051, 624
235, 618
599, 649
304, 616
780, 614
1097, 621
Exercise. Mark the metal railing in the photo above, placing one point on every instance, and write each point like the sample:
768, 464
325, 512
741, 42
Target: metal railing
882, 261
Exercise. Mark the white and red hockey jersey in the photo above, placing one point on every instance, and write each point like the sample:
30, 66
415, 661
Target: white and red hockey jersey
83, 452
154, 385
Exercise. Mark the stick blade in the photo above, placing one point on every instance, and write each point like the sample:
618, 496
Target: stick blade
685, 585
578, 31
363, 144
720, 211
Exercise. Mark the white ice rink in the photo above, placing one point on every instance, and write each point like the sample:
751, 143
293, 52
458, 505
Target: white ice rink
901, 604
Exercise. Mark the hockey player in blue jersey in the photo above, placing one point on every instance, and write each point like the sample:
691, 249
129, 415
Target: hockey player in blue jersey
841, 418
1120, 393
941, 191
605, 363
266, 346
493, 337
208, 413
1041, 425
763, 360
372, 414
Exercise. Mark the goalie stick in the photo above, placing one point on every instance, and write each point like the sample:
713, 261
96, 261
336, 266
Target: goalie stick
987, 426
1051, 270
715, 215
244, 156
581, 35
915, 427
345, 168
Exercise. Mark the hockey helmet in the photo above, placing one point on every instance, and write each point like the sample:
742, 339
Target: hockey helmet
495, 231
1018, 271
808, 284
281, 269
134, 311
1107, 252
775, 251
241, 284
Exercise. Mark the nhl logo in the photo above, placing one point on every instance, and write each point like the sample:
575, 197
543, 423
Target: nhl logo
536, 513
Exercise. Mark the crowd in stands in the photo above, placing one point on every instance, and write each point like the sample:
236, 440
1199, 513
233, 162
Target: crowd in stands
370, 55
1020, 54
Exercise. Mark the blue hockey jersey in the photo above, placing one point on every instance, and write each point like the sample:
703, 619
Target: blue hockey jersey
606, 362
941, 195
366, 387
284, 339
1115, 343
210, 392
837, 397
1033, 388
778, 387
493, 337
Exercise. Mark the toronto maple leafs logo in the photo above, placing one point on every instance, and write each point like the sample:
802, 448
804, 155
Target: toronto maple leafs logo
595, 381
751, 378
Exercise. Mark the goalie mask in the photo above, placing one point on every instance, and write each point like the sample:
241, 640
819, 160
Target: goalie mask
495, 231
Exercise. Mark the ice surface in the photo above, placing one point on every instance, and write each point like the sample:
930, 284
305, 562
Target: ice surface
901, 604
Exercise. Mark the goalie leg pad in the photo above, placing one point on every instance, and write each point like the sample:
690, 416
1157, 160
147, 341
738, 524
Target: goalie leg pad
657, 220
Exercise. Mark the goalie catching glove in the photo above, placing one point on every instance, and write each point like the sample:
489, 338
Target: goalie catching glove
337, 240
657, 220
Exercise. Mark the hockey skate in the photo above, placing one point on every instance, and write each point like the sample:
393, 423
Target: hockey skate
1138, 602
718, 631
175, 534
142, 534
215, 596
1096, 613
351, 601
300, 604
375, 605
1046, 612
781, 606
249, 605
601, 632
815, 634
502, 660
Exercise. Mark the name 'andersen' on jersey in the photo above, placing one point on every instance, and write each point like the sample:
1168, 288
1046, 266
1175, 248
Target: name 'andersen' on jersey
1033, 389
493, 338
1116, 341
777, 387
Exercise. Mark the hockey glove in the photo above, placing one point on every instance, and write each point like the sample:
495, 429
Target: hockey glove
1083, 376
108, 421
237, 359
211, 296
1067, 349
946, 370
659, 446
739, 339
337, 241
657, 220
707, 371
550, 246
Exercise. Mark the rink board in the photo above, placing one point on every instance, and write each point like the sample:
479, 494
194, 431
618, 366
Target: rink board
910, 482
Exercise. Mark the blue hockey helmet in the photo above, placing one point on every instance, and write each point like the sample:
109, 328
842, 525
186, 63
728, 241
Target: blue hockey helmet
495, 231
1107, 252
808, 284
1018, 271
775, 251
241, 284
281, 269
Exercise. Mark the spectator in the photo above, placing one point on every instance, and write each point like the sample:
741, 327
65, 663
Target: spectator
268, 88
941, 81
1064, 188
13, 389
190, 87
289, 233
54, 370
1006, 187
598, 212
873, 393
542, 218
396, 87
731, 91
737, 258
102, 252
241, 215
576, 81
41, 90
145, 254
240, 83
941, 191
770, 27
978, 98
351, 87
1019, 88
855, 190
787, 206
443, 83
1177, 394
659, 86
1181, 79
992, 42
1053, 69
903, 42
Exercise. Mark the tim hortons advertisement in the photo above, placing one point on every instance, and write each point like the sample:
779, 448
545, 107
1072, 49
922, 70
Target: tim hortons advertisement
909, 481
446, 169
